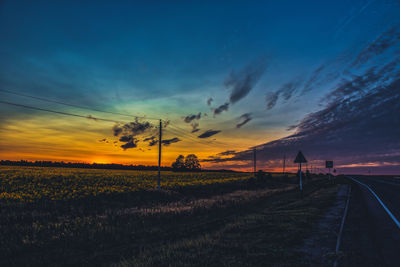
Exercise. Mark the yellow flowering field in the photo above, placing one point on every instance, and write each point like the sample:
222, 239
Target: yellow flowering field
28, 184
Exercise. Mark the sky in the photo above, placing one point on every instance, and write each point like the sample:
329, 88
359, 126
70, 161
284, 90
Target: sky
87, 81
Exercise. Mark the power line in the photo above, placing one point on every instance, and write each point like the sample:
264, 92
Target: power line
75, 106
176, 130
85, 117
58, 112
182, 131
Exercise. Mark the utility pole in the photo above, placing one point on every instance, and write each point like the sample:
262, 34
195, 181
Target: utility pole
284, 164
159, 156
255, 160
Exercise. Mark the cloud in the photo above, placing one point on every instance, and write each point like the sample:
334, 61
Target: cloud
190, 118
313, 79
289, 88
227, 153
152, 140
167, 142
243, 81
209, 101
358, 125
208, 133
126, 138
149, 138
165, 123
90, 117
286, 90
133, 128
221, 108
127, 132
130, 144
360, 84
245, 119
195, 127
382, 43
271, 99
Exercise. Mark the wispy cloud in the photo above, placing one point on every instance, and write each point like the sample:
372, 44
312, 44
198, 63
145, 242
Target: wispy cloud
208, 133
209, 101
90, 117
313, 79
227, 153
272, 98
245, 118
243, 81
357, 125
286, 90
195, 127
190, 118
167, 142
221, 108
382, 43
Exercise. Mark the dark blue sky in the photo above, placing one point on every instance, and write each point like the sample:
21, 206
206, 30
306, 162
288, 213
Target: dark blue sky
165, 59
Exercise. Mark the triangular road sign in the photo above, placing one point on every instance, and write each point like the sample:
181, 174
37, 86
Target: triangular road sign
300, 158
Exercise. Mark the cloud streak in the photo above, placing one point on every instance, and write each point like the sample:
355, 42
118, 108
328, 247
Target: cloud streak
190, 118
286, 90
167, 142
245, 118
208, 133
383, 42
221, 108
242, 82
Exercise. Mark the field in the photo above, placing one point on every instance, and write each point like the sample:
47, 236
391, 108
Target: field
30, 184
59, 216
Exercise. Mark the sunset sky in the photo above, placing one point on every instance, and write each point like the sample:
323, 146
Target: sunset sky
224, 76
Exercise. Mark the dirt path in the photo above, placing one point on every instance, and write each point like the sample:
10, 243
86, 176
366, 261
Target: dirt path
319, 247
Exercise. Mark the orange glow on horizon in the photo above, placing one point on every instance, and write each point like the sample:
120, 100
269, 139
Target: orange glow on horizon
51, 138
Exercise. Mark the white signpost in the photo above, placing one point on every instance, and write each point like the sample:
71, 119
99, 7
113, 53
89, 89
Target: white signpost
300, 159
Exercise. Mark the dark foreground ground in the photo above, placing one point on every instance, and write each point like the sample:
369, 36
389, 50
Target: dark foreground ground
246, 223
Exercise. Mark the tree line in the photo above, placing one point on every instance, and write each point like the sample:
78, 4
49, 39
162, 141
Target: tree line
188, 163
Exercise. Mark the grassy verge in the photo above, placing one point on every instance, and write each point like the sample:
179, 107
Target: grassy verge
264, 233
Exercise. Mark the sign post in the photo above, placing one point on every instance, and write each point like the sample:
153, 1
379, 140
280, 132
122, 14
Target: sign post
329, 165
300, 159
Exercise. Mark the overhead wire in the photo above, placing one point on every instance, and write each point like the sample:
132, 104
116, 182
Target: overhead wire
58, 112
175, 129
74, 105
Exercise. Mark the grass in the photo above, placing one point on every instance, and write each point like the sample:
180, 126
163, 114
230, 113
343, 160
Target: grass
228, 219
264, 232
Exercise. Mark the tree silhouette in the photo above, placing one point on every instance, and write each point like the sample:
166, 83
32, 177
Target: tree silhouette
179, 163
192, 162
